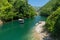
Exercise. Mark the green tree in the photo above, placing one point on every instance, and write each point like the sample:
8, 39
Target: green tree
53, 24
14, 9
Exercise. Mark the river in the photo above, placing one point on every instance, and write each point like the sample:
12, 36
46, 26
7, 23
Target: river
16, 31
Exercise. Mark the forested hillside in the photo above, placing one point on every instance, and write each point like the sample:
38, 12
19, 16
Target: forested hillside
52, 10
50, 7
53, 24
14, 9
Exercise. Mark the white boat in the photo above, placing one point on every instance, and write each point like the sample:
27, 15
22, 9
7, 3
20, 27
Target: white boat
21, 20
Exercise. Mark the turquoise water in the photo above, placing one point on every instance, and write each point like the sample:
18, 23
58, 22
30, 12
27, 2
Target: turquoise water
16, 31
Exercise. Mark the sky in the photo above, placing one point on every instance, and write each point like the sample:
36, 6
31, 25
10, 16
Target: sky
37, 3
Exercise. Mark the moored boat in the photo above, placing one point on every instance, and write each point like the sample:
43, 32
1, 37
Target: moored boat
21, 20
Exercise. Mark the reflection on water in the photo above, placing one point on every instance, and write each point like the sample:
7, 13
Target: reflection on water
16, 31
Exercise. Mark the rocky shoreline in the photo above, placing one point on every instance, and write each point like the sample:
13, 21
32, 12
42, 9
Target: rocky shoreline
1, 22
39, 33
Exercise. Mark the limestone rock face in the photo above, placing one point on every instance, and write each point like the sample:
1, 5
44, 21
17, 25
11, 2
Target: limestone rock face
1, 22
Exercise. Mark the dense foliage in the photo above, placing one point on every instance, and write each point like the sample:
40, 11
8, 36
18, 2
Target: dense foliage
50, 7
52, 10
14, 9
53, 23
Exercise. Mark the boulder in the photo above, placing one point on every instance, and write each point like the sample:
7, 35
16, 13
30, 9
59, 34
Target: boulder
1, 22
